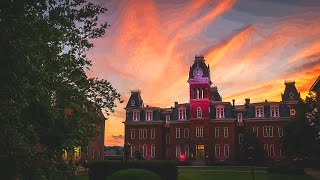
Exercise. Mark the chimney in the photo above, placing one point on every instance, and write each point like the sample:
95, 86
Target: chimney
247, 101
175, 103
233, 102
265, 101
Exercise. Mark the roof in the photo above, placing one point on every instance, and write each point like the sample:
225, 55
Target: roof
199, 63
315, 85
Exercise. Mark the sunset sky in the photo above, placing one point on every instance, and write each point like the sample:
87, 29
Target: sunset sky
252, 47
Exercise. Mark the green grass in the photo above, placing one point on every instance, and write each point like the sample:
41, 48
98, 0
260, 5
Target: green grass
225, 173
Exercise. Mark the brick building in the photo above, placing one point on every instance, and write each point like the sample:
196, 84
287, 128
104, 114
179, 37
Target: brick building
205, 128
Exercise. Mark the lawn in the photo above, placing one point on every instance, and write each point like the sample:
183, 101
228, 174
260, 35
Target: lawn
225, 173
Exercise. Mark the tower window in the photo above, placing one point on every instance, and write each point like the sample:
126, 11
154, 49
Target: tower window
194, 94
198, 94
199, 112
202, 93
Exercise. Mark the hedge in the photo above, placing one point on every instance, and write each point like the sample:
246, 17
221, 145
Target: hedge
285, 168
100, 170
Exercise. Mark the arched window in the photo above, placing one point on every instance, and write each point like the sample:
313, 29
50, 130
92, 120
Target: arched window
144, 151
217, 151
202, 93
178, 151
132, 154
198, 94
266, 149
199, 112
226, 151
194, 94
255, 130
153, 151
167, 119
239, 117
186, 150
201, 132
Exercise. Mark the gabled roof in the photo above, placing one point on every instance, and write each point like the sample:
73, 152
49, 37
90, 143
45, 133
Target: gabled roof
315, 85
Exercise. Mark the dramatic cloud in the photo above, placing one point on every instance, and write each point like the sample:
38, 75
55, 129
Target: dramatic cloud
252, 48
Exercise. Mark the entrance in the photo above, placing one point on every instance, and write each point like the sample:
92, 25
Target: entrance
200, 152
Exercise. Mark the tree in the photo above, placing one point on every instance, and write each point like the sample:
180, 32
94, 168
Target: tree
250, 140
301, 134
42, 73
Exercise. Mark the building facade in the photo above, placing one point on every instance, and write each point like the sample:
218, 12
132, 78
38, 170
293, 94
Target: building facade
205, 128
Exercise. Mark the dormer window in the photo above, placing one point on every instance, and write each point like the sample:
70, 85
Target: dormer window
259, 112
149, 115
199, 112
167, 119
133, 103
239, 117
219, 112
274, 111
136, 115
182, 113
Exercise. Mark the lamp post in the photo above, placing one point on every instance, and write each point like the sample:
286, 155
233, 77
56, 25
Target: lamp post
251, 159
126, 152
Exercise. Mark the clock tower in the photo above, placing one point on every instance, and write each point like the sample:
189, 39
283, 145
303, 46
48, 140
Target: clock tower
199, 83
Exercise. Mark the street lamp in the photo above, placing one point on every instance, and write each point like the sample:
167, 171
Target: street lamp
126, 152
251, 159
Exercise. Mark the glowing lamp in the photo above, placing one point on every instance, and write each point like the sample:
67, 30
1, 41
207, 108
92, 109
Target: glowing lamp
182, 157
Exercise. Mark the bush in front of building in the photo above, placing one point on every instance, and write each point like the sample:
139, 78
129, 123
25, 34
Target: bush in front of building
134, 174
284, 167
167, 170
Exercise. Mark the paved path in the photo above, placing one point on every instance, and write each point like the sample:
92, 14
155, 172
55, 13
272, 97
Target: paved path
313, 172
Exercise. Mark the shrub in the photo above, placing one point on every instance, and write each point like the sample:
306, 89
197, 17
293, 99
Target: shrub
285, 168
134, 174
102, 169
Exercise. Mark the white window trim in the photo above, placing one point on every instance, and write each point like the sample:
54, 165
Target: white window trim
270, 131
225, 132
186, 151
153, 133
220, 112
274, 111
178, 151
133, 133
167, 119
272, 153
183, 114
136, 115
280, 131
132, 151
177, 132
239, 117
266, 149
149, 115
144, 151
145, 134
217, 132
140, 133
259, 111
217, 153
265, 131
153, 151
184, 132
226, 147
199, 112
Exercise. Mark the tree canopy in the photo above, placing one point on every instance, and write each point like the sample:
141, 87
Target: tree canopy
43, 62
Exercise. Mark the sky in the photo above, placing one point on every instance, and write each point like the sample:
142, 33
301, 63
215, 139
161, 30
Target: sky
252, 47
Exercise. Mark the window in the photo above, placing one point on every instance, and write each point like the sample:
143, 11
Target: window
217, 151
216, 132
136, 115
92, 155
265, 131
280, 131
274, 111
202, 93
178, 151
255, 130
226, 151
240, 138
153, 133
145, 134
199, 131
144, 150
132, 151
153, 151
140, 133
177, 132
266, 150
186, 132
198, 94
225, 132
292, 112
220, 112
239, 117
149, 115
99, 153
167, 119
199, 112
272, 150
271, 131
182, 113
132, 132
194, 94
186, 151
259, 112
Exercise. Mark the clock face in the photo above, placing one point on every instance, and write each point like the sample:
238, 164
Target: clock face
197, 72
